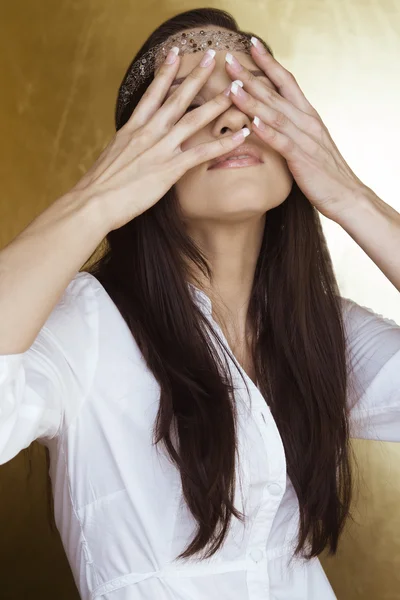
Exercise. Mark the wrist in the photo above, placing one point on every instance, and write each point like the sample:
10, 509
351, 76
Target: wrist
88, 207
361, 201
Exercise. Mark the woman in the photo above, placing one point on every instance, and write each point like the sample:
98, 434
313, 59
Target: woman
197, 387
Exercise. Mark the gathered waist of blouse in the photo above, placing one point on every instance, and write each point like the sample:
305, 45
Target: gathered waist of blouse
195, 569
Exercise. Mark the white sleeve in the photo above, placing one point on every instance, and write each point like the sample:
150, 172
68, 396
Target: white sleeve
374, 378
42, 389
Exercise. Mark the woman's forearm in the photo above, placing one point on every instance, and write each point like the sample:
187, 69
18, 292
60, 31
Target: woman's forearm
375, 226
37, 266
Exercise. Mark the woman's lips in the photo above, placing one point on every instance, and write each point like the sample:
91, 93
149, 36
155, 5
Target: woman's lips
236, 162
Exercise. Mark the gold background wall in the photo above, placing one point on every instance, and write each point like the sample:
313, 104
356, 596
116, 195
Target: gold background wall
61, 64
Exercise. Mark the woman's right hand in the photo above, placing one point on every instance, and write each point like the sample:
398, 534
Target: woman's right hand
144, 158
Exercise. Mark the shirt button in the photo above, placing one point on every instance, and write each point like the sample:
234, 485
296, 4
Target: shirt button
275, 489
256, 555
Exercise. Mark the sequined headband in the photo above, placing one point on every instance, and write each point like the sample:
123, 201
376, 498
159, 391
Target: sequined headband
187, 42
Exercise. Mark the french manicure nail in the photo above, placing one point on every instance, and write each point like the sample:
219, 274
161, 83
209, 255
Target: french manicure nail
242, 133
258, 45
233, 62
228, 90
172, 54
235, 86
207, 58
258, 123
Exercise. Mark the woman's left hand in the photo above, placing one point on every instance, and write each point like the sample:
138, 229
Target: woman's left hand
295, 130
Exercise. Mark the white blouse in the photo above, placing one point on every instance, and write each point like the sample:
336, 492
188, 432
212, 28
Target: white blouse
84, 390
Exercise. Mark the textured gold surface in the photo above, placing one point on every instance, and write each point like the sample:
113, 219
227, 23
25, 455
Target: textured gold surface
61, 64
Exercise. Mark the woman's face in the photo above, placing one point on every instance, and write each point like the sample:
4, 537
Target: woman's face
229, 195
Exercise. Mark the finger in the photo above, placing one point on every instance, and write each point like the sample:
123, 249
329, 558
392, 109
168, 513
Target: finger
154, 95
195, 120
208, 151
175, 106
295, 125
284, 144
259, 89
283, 79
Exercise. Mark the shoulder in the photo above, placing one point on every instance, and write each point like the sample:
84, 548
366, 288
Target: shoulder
368, 332
357, 314
78, 302
72, 326
373, 347
83, 284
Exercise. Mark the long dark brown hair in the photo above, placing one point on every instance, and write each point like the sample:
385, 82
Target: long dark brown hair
299, 352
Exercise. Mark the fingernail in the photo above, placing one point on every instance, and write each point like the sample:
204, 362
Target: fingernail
227, 91
172, 54
233, 62
235, 87
207, 58
258, 123
258, 45
241, 134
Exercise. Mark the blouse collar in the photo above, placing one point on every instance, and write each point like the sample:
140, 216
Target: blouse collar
201, 298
